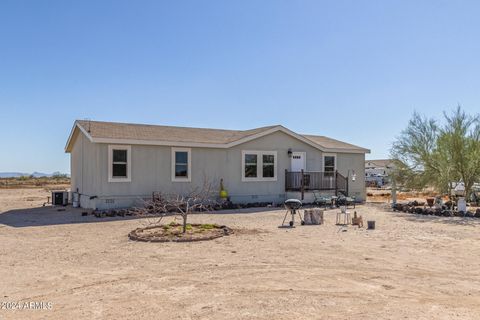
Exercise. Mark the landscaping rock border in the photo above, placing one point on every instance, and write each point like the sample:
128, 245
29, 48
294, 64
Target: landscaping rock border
221, 231
444, 211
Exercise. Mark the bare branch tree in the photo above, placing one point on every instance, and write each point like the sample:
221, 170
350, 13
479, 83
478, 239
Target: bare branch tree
197, 199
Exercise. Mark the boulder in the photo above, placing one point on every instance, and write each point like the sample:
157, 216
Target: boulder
448, 204
447, 213
477, 213
470, 214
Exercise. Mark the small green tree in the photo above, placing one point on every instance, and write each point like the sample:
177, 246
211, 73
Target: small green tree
429, 154
460, 142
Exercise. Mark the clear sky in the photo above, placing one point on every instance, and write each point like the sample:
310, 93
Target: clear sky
352, 70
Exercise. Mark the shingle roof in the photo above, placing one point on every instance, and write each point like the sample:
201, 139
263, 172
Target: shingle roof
99, 130
379, 162
330, 143
114, 130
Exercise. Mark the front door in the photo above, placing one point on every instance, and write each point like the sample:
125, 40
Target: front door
298, 161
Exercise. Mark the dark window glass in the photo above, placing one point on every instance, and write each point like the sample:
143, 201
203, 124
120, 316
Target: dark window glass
268, 171
251, 159
250, 166
250, 171
181, 164
119, 165
329, 165
119, 155
181, 170
119, 170
268, 165
181, 157
330, 161
268, 159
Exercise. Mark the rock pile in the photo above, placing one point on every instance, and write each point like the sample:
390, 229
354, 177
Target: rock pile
445, 210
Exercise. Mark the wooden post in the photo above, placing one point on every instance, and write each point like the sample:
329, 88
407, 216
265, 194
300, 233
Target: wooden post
348, 175
394, 192
336, 183
302, 185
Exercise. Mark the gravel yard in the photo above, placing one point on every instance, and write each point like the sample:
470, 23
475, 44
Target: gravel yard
421, 267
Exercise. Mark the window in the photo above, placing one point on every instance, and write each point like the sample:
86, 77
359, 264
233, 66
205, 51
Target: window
268, 166
119, 169
181, 165
251, 165
119, 163
329, 164
259, 165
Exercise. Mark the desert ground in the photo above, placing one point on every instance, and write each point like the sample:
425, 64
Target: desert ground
409, 267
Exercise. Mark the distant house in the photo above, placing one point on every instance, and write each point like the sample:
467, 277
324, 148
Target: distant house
117, 164
378, 172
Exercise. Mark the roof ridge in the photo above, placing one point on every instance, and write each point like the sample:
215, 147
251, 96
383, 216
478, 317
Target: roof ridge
308, 136
257, 130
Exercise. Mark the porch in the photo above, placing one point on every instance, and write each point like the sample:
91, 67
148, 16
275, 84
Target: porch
308, 181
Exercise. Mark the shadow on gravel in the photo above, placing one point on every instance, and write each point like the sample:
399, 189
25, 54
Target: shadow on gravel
45, 216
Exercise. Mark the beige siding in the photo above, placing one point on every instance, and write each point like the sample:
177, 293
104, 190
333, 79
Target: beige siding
151, 171
84, 162
346, 164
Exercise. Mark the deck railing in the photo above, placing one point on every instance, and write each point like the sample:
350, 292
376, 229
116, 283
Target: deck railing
315, 180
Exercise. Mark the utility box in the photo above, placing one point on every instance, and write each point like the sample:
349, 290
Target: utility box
59, 198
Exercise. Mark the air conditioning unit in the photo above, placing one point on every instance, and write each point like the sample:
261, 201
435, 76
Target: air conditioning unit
59, 198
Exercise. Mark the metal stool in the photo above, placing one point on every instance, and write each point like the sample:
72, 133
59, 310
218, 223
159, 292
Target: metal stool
343, 217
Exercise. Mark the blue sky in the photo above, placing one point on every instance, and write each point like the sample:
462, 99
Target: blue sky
352, 70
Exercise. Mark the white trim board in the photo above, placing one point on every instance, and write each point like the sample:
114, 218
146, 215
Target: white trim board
334, 155
112, 147
189, 164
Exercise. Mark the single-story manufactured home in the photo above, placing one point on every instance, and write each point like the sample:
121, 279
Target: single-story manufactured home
116, 165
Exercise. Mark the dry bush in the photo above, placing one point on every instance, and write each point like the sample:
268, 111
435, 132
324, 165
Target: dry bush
199, 199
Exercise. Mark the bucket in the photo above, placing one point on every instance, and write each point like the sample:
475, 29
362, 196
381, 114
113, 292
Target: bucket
371, 225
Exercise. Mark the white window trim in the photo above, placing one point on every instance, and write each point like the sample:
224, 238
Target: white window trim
189, 172
128, 148
334, 155
259, 165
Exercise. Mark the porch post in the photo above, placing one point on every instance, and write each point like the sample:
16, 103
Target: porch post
348, 178
336, 183
302, 184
